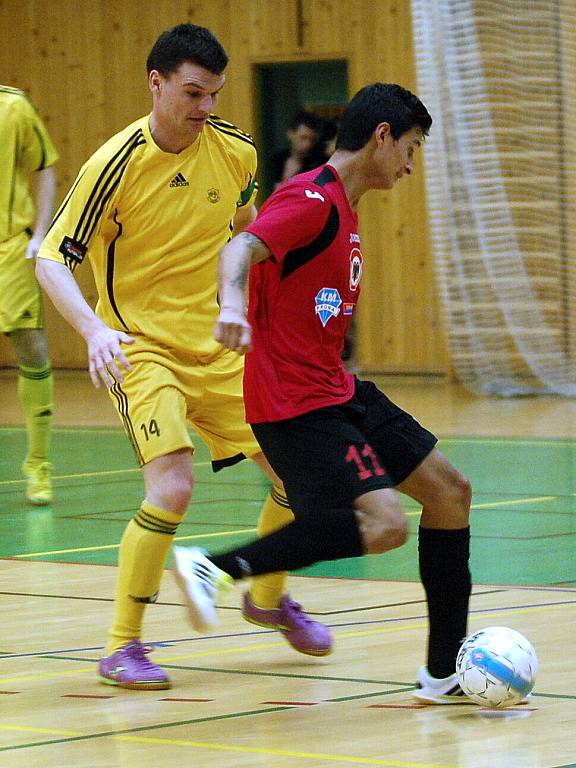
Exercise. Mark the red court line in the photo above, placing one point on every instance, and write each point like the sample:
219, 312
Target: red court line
85, 696
397, 706
292, 703
196, 700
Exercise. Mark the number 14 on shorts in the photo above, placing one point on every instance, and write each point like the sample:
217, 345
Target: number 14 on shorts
150, 429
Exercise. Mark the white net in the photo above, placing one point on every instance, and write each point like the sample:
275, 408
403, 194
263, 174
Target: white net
498, 77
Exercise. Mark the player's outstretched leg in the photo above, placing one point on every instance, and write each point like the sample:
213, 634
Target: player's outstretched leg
201, 583
268, 605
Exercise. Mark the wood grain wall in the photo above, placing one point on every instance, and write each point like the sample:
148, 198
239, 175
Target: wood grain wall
83, 64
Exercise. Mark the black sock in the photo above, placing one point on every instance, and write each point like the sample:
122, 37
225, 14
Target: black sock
329, 536
443, 559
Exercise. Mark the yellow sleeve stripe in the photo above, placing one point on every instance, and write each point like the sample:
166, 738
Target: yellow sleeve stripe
226, 124
42, 143
104, 187
230, 130
13, 91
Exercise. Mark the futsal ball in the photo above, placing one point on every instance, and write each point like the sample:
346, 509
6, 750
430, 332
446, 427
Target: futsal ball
496, 667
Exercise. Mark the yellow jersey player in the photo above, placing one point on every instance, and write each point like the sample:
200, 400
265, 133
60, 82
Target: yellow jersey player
151, 210
26, 150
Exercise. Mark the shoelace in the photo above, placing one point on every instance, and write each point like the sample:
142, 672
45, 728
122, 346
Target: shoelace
140, 653
294, 611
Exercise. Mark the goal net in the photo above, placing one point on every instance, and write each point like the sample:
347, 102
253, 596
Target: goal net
498, 77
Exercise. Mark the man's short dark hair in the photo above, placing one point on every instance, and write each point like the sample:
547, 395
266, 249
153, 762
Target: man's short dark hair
187, 42
380, 103
309, 119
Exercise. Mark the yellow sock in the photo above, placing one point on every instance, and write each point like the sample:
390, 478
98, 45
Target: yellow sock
143, 551
35, 388
266, 591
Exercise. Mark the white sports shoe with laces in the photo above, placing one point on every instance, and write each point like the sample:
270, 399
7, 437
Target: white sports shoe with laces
447, 690
201, 583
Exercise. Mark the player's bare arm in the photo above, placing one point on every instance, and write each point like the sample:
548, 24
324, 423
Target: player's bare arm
106, 359
237, 256
245, 215
45, 197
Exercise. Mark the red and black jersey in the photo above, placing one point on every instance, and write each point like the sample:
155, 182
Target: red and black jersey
302, 298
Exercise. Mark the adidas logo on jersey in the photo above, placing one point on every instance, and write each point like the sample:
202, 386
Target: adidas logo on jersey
179, 181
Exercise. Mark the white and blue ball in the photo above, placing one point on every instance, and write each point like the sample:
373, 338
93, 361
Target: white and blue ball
496, 667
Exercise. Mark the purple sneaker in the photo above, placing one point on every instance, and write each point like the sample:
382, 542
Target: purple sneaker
129, 667
303, 634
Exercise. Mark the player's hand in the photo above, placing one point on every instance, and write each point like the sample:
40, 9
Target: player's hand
106, 358
233, 331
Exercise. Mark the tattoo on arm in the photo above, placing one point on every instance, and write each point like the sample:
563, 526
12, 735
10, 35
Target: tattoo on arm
240, 279
257, 248
250, 240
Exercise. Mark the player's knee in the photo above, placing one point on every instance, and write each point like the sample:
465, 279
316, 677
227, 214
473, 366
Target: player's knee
31, 347
466, 491
393, 533
450, 505
461, 493
383, 528
181, 493
175, 494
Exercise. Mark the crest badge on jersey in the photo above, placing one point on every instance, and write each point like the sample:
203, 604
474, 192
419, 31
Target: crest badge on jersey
328, 304
356, 263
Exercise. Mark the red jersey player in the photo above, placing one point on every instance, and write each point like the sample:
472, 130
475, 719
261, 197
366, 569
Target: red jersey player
340, 445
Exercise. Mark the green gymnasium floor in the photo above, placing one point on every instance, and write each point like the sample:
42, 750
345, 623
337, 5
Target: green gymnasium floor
523, 518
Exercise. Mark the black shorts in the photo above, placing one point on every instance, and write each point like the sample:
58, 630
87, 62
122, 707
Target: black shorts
333, 455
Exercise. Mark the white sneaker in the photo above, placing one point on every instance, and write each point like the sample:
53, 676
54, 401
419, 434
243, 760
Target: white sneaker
446, 690
433, 690
201, 583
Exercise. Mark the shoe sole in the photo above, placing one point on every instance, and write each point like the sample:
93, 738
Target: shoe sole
195, 616
443, 700
456, 700
39, 502
136, 686
278, 628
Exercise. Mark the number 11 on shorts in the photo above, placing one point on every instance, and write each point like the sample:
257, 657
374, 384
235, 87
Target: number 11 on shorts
364, 471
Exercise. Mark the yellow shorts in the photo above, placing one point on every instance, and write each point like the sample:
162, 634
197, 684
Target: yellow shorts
20, 297
160, 397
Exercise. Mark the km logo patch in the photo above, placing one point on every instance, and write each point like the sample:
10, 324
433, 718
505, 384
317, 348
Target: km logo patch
328, 304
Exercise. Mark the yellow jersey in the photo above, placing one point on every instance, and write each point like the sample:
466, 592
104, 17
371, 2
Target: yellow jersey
152, 224
25, 146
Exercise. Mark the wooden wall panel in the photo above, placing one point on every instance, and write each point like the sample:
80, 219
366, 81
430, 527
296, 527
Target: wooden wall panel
83, 63
568, 266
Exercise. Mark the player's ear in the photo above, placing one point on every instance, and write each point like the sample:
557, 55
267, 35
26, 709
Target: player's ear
154, 80
381, 131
